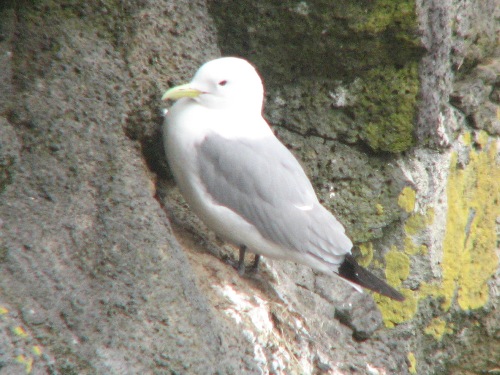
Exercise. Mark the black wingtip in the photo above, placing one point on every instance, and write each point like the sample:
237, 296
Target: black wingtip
352, 271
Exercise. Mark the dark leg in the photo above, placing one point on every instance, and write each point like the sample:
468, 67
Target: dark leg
241, 262
255, 266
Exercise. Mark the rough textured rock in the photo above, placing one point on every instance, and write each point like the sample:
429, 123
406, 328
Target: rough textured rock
393, 109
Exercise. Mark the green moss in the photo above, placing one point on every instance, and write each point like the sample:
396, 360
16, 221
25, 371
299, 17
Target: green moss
386, 107
107, 17
407, 199
351, 36
384, 14
6, 167
3, 254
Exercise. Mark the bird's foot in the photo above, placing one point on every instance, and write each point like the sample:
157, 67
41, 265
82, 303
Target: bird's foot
241, 262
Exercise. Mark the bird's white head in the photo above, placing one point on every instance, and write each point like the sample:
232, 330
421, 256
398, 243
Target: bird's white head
225, 83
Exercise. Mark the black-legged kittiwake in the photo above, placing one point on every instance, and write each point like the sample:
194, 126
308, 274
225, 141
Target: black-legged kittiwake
244, 183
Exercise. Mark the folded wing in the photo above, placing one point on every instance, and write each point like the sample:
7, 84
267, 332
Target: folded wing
261, 181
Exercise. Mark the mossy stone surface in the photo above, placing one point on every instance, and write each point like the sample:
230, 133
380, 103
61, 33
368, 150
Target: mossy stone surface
342, 86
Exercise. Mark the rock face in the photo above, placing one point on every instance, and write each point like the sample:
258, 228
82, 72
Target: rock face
393, 107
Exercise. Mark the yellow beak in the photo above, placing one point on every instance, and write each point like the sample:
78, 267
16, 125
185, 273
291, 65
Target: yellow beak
182, 91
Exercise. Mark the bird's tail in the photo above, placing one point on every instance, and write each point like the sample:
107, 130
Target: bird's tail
352, 271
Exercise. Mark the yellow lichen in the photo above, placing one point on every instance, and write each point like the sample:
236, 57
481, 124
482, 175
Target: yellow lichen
482, 138
469, 258
407, 199
469, 247
3, 310
395, 312
26, 361
397, 267
366, 254
19, 331
413, 363
466, 139
418, 222
376, 264
410, 247
397, 270
414, 224
424, 249
37, 350
380, 209
437, 328
427, 289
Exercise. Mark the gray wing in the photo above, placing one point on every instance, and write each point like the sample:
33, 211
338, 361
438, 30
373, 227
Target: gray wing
263, 182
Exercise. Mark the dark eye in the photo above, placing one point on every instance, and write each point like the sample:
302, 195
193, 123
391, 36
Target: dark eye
223, 83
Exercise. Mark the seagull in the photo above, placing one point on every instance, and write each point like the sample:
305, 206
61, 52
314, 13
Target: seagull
244, 183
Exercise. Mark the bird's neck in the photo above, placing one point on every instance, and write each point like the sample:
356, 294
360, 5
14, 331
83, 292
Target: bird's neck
235, 124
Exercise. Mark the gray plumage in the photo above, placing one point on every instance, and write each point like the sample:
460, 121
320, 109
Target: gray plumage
264, 183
